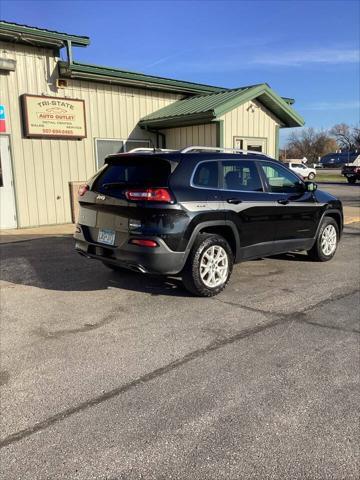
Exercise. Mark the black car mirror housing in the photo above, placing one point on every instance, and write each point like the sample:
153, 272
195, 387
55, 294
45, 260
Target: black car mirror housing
310, 186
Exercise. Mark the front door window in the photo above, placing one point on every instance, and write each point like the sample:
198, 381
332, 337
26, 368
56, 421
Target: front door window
279, 179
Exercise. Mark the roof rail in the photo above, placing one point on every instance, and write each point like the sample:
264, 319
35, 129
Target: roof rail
150, 150
142, 150
196, 148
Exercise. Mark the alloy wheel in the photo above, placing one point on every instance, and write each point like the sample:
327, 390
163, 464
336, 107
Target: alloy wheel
214, 266
328, 240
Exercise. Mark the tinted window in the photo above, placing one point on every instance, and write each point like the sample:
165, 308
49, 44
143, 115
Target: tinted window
240, 175
149, 172
206, 175
280, 179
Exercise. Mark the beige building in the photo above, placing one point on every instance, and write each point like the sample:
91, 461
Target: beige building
59, 120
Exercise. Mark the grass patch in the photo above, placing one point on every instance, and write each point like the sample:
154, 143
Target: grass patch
329, 177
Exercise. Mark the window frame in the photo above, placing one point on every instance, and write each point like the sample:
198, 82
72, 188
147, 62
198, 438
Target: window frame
265, 179
125, 141
220, 181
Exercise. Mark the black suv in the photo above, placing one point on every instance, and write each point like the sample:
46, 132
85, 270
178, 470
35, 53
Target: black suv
196, 212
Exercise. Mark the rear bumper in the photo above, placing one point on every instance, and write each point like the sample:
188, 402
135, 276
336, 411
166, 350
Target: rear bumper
159, 260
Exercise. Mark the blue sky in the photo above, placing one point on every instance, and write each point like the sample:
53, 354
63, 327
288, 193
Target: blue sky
307, 50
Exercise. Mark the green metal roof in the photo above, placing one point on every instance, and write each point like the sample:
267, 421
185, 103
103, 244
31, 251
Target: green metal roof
15, 32
207, 108
124, 77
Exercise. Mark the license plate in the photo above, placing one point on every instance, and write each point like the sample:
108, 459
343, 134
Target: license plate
106, 236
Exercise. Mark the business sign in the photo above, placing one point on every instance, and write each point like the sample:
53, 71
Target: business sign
2, 119
53, 117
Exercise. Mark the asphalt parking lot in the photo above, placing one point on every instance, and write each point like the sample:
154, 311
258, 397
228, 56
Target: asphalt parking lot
121, 376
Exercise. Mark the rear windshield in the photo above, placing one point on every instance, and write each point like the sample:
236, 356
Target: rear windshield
134, 172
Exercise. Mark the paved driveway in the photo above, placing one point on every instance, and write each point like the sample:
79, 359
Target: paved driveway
108, 376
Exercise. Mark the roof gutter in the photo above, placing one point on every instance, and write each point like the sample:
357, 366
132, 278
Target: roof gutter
179, 121
80, 72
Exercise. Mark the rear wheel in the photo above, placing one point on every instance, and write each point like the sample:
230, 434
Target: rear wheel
351, 179
209, 266
326, 242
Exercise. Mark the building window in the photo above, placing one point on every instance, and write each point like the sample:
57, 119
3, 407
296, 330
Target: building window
107, 146
256, 144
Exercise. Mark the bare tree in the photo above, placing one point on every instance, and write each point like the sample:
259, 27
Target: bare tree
347, 137
309, 143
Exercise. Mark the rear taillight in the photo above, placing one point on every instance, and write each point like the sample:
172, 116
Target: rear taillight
143, 243
358, 170
82, 190
149, 195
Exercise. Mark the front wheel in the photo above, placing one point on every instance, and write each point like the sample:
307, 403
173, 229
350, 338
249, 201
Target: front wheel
326, 241
351, 180
311, 176
209, 266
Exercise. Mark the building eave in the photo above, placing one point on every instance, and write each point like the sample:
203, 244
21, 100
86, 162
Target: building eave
102, 74
271, 100
13, 32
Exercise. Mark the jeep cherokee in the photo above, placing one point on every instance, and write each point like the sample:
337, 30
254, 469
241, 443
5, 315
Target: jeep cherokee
196, 212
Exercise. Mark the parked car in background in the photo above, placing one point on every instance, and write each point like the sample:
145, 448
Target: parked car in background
352, 170
196, 212
303, 170
338, 160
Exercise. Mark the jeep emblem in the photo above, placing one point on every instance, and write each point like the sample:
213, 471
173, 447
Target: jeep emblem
100, 197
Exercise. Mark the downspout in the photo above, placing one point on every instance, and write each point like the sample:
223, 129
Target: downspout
69, 52
158, 135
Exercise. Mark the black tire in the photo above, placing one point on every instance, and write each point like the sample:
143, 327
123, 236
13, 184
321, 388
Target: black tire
317, 252
191, 277
351, 180
311, 176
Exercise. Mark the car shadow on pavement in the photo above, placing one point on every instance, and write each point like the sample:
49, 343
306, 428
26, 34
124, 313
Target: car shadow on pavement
52, 263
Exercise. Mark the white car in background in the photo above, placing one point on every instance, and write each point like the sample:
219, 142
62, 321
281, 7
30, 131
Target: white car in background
303, 170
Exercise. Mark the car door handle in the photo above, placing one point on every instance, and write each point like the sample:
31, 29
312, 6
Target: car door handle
234, 201
283, 201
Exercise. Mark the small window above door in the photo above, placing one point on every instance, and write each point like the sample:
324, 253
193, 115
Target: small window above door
256, 144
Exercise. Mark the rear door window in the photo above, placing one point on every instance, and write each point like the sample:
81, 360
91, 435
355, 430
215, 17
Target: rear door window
144, 172
240, 175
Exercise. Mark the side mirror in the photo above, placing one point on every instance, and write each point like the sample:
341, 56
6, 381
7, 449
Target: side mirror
310, 186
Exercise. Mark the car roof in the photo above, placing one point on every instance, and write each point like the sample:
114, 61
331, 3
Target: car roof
178, 157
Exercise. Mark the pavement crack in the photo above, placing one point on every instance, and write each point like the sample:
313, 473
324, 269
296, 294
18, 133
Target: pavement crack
86, 327
331, 327
249, 309
213, 346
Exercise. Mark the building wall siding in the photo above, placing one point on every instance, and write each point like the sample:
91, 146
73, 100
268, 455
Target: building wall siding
242, 122
43, 168
181, 137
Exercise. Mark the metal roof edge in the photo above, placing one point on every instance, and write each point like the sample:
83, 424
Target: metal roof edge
23, 32
115, 75
178, 121
256, 91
